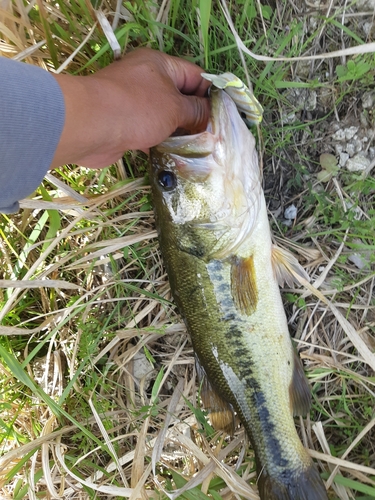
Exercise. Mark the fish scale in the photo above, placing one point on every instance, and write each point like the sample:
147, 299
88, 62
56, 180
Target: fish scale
219, 260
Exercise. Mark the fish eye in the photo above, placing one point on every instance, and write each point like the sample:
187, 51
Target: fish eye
167, 180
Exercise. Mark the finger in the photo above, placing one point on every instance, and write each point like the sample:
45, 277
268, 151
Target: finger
187, 76
196, 113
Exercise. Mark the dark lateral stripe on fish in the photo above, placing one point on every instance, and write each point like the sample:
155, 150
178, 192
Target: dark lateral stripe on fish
264, 424
195, 248
265, 420
234, 339
242, 295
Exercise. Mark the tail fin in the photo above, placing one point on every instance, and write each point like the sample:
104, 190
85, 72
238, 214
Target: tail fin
305, 485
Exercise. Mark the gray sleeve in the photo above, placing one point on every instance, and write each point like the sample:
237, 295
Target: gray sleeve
32, 114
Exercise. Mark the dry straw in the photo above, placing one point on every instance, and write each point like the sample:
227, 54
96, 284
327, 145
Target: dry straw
172, 439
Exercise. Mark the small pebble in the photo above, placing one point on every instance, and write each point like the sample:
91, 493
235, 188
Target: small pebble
339, 135
350, 132
357, 164
358, 260
290, 212
350, 149
368, 100
344, 157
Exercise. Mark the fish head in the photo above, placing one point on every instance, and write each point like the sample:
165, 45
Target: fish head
206, 187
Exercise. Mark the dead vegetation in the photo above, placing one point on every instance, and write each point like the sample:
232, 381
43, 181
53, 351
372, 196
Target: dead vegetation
98, 392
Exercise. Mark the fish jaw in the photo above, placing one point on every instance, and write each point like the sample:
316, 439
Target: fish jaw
218, 181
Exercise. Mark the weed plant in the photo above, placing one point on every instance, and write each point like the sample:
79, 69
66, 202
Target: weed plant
96, 369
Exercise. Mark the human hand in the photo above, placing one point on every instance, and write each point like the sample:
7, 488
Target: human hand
135, 103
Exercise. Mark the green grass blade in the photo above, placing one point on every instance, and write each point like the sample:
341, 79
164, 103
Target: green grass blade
205, 13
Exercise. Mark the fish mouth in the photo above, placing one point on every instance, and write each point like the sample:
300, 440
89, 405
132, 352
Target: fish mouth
225, 118
224, 134
222, 165
226, 148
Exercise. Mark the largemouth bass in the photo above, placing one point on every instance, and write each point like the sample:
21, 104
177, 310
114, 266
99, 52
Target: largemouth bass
223, 269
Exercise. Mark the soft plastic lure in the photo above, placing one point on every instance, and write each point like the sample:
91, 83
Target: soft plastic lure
247, 104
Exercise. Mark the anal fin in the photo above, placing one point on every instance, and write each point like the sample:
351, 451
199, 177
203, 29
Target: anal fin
299, 389
221, 412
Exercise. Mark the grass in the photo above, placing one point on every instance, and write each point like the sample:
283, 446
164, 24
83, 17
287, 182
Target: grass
94, 358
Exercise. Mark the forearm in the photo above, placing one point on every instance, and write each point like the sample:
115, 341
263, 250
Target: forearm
32, 118
85, 129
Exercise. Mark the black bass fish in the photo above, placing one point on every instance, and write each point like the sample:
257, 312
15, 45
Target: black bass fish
223, 270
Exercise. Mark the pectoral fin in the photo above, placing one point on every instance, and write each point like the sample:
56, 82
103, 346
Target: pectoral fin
299, 390
243, 285
286, 267
221, 412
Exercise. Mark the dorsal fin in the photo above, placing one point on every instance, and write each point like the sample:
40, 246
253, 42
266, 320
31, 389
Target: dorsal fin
221, 412
286, 267
243, 285
299, 390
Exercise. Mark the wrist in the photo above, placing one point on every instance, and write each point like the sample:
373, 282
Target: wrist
86, 138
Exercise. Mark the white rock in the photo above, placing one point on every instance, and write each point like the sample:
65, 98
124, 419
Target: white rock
357, 146
356, 210
368, 100
358, 260
339, 149
361, 258
367, 27
339, 135
365, 5
357, 164
142, 368
344, 157
345, 134
290, 212
302, 98
288, 118
350, 149
350, 132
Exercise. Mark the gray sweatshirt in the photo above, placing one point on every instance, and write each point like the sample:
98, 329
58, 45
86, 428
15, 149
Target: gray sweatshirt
32, 114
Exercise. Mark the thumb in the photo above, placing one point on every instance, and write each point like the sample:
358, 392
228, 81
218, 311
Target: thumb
196, 113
